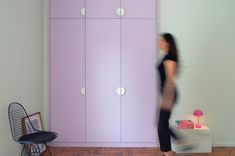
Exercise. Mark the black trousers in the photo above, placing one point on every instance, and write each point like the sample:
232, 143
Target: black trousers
164, 131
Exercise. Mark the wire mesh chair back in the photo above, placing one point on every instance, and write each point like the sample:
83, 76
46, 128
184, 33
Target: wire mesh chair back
16, 113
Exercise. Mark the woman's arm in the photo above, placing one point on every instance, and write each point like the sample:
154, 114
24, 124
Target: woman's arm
168, 90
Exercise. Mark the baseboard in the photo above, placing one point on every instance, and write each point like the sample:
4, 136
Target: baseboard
74, 144
223, 144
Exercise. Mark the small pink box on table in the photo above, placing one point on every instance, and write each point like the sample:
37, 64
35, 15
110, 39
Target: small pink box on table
185, 124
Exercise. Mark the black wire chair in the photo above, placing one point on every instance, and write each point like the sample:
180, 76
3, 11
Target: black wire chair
16, 112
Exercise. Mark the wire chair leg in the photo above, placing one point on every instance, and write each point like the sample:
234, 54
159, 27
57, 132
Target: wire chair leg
34, 150
48, 149
38, 150
22, 150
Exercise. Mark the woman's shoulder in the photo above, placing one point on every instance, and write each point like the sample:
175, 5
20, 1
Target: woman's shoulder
171, 57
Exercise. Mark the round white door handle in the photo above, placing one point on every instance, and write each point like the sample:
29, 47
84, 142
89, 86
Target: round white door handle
83, 12
121, 91
83, 91
121, 11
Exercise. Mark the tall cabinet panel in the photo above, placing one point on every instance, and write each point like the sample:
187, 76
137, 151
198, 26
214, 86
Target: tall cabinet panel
102, 72
138, 77
102, 80
67, 78
67, 8
102, 8
139, 8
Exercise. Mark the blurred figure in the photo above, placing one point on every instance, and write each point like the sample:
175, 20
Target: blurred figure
168, 68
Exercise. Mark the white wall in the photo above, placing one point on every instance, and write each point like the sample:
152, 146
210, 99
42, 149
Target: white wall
205, 30
20, 63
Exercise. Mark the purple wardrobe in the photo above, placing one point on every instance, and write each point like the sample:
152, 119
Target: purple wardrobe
103, 87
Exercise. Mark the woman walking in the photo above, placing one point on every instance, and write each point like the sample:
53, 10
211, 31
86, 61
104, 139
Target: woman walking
168, 69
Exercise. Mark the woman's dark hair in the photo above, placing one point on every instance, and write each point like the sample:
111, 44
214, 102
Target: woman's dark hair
173, 51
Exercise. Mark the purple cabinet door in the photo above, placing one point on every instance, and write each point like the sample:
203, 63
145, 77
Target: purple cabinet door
102, 80
67, 8
139, 79
67, 77
102, 8
139, 8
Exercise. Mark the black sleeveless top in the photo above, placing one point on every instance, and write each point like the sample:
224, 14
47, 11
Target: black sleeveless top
162, 71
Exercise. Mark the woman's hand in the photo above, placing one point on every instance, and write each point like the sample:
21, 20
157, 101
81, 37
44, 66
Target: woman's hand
168, 90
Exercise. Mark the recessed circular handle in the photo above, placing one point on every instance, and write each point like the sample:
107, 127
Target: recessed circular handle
83, 12
121, 11
83, 91
121, 91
